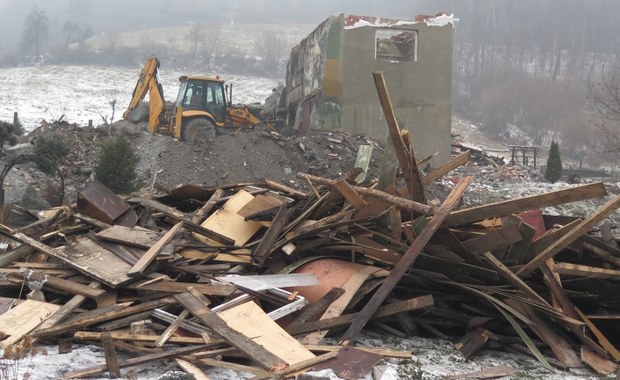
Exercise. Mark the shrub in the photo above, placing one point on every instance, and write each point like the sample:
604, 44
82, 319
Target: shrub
116, 166
50, 150
553, 171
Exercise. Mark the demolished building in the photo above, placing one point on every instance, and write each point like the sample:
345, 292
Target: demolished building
329, 84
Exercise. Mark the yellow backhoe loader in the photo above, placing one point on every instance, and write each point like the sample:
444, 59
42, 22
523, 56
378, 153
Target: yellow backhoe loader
200, 108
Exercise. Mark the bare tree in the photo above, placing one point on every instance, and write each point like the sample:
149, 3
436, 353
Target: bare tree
35, 33
605, 92
75, 33
270, 44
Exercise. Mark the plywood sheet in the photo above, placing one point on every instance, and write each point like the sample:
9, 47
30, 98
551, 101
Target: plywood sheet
250, 320
136, 236
227, 222
24, 318
96, 262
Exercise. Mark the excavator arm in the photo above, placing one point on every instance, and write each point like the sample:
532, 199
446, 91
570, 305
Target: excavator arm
242, 115
148, 83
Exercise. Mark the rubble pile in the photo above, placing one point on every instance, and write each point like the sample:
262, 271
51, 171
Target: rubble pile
252, 275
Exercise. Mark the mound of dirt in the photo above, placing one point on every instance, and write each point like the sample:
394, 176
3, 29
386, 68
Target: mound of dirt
236, 156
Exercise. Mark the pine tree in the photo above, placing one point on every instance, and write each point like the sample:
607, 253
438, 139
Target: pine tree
553, 172
116, 167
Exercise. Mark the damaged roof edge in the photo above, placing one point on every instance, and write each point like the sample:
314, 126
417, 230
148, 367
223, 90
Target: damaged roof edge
357, 21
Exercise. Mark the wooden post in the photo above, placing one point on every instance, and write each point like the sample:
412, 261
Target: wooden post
405, 262
90, 123
15, 118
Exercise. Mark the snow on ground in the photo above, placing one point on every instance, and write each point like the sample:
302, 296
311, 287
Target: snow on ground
83, 93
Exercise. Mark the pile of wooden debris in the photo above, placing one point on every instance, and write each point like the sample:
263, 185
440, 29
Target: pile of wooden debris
252, 276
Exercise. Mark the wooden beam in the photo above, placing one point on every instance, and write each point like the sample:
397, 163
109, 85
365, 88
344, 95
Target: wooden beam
171, 329
255, 351
570, 237
113, 314
150, 255
95, 370
111, 360
406, 261
266, 245
191, 369
560, 347
200, 215
456, 162
512, 278
533, 202
314, 311
349, 193
129, 337
65, 309
411, 173
417, 303
585, 271
400, 202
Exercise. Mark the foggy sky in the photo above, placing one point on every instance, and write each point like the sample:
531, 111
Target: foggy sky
110, 16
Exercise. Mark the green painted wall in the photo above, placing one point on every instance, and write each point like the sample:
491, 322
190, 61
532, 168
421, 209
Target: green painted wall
420, 91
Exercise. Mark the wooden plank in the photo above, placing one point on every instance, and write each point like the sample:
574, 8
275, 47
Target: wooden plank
602, 339
84, 336
494, 239
207, 207
405, 153
228, 223
266, 245
598, 362
400, 202
313, 311
54, 282
560, 347
550, 237
568, 308
148, 257
406, 261
95, 370
570, 237
585, 271
260, 203
512, 278
261, 373
135, 236
255, 351
351, 287
386, 353
24, 318
171, 329
111, 360
82, 321
191, 369
417, 303
94, 261
473, 341
454, 163
534, 202
375, 251
181, 287
65, 309
250, 320
349, 193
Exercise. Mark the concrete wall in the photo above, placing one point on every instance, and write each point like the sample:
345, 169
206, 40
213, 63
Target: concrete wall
330, 85
420, 91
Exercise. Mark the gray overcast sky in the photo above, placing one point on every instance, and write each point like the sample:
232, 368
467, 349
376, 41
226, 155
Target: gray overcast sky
117, 15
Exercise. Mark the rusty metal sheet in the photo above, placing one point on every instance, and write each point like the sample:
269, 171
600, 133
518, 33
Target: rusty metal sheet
99, 202
351, 363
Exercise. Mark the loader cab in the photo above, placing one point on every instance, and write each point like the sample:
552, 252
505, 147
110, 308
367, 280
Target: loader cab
204, 94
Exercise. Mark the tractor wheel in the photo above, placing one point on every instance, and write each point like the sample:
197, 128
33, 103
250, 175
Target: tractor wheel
198, 131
